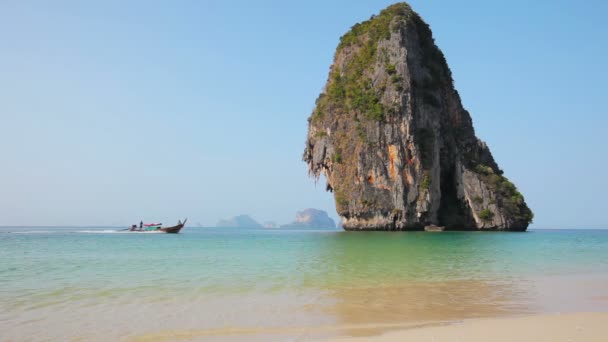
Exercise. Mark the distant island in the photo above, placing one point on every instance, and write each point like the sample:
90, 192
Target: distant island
394, 142
307, 218
239, 221
311, 218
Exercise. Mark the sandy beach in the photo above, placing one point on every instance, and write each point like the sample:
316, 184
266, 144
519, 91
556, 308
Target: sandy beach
571, 327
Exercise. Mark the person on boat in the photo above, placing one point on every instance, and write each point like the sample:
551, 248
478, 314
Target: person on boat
141, 224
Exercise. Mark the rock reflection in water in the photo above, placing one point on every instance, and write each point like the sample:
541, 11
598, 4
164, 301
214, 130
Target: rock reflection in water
389, 279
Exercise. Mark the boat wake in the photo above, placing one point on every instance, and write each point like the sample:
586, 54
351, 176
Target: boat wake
88, 231
119, 231
35, 232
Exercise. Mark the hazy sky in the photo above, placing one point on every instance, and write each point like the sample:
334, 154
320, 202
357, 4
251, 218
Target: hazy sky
113, 111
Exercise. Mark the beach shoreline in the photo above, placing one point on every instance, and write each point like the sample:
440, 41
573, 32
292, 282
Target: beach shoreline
550, 327
566, 327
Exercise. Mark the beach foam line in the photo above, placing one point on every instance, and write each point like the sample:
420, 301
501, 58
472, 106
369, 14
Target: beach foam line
176, 335
571, 327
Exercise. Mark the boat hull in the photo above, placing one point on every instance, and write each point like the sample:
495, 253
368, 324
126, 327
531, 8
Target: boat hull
172, 230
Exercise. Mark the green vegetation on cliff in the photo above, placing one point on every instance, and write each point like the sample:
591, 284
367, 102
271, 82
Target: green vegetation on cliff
377, 27
486, 215
511, 200
351, 88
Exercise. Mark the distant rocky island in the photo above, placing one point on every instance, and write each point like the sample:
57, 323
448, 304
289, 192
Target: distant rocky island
239, 221
270, 224
307, 218
311, 218
394, 142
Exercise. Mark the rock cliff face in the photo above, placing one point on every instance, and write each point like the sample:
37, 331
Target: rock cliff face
394, 142
311, 218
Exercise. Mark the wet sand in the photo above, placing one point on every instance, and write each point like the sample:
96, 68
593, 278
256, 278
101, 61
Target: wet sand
573, 327
469, 310
367, 312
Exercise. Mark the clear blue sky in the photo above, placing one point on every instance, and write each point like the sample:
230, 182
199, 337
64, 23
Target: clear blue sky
112, 111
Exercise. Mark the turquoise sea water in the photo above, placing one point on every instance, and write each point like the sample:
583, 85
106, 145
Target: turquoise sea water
51, 278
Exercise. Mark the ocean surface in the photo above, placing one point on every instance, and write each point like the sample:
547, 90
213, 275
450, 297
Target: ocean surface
101, 284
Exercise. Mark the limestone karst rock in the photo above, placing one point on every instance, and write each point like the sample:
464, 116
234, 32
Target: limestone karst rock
394, 142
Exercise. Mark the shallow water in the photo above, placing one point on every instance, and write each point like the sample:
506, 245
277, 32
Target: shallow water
100, 284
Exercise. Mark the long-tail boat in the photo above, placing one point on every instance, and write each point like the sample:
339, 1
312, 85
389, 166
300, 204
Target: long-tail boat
156, 227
